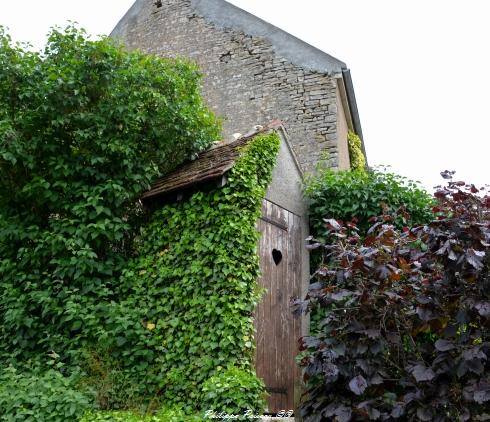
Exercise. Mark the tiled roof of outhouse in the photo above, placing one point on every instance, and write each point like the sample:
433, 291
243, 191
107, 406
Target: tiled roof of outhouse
210, 165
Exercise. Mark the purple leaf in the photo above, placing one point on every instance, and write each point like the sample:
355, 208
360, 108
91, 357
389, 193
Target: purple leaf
444, 248
409, 397
393, 338
393, 296
462, 369
357, 385
422, 373
447, 174
340, 294
343, 413
331, 372
313, 246
444, 345
425, 314
322, 271
382, 272
362, 363
397, 411
311, 342
361, 348
482, 393
373, 413
319, 285
424, 300
474, 353
376, 348
465, 415
475, 258
475, 366
462, 317
371, 332
483, 309
339, 349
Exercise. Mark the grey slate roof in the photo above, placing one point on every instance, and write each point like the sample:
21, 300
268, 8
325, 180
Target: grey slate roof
210, 165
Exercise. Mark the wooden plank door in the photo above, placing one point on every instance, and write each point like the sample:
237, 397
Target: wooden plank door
277, 331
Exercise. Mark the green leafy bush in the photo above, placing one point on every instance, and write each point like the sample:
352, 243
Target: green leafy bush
113, 416
234, 391
45, 396
84, 128
360, 195
115, 388
357, 159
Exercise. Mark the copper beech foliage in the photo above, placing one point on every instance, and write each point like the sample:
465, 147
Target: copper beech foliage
405, 334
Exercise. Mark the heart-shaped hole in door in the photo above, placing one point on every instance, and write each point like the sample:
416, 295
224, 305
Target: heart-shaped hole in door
276, 256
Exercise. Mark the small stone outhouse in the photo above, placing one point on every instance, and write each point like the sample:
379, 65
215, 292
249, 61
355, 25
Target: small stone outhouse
284, 259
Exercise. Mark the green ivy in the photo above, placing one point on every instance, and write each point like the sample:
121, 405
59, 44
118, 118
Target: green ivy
187, 301
357, 158
246, 389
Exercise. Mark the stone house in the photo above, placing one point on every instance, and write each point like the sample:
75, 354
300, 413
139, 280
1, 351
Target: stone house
253, 72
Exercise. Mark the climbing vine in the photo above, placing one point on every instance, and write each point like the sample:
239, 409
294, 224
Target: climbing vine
357, 158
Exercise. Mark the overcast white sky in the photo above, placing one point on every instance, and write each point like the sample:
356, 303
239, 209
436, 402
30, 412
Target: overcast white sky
421, 69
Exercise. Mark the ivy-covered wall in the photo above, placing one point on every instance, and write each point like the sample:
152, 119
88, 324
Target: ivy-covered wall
357, 158
187, 315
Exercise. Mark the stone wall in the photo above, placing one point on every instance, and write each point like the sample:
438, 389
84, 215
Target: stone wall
249, 79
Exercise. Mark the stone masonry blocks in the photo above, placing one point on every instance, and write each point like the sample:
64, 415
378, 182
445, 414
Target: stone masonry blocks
245, 80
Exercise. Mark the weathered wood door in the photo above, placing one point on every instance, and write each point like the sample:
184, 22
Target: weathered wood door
277, 331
